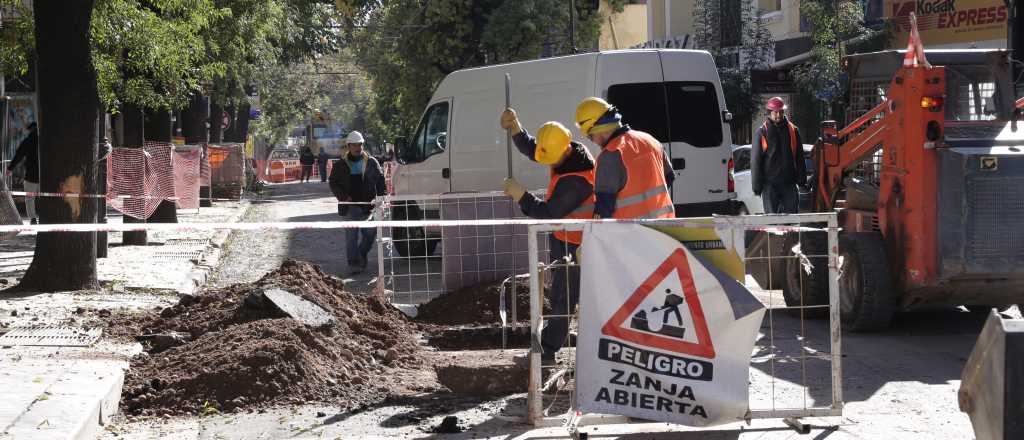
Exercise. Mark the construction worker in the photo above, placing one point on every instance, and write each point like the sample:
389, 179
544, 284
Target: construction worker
570, 195
356, 180
633, 176
777, 161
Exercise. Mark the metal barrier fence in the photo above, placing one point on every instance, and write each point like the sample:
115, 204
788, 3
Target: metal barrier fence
416, 265
795, 369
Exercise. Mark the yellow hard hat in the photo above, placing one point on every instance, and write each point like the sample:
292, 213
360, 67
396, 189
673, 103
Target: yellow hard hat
589, 111
552, 142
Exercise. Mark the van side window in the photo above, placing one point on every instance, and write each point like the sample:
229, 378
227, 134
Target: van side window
432, 135
696, 117
642, 106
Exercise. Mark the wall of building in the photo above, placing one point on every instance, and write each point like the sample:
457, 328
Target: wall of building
624, 29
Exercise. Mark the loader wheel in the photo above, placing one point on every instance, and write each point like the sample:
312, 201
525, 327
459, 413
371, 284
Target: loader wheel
867, 301
807, 273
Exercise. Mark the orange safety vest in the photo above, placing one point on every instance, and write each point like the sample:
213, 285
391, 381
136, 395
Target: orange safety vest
792, 138
584, 211
646, 193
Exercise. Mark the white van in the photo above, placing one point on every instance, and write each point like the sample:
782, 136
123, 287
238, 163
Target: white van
675, 95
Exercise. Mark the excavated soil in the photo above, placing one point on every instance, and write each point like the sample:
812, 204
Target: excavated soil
243, 356
476, 304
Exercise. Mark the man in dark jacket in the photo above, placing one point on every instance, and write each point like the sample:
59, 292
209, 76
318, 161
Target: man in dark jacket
777, 159
570, 195
28, 152
356, 180
321, 163
306, 160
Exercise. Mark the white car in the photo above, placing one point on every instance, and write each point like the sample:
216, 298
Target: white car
749, 202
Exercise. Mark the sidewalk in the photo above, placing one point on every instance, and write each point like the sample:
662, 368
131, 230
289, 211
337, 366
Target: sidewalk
62, 391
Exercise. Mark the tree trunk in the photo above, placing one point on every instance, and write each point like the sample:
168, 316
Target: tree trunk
159, 128
67, 102
239, 124
133, 125
194, 119
101, 183
216, 129
216, 136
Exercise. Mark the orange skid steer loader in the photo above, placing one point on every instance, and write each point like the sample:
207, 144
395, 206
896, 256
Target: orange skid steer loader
928, 184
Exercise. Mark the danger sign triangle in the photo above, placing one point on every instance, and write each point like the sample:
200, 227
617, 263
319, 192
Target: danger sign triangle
677, 263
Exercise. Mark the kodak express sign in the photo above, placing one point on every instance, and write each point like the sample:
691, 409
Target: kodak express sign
948, 21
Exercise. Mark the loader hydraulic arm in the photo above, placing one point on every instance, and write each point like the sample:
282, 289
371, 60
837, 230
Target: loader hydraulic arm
838, 151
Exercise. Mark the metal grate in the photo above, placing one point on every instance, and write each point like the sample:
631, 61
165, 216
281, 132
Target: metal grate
995, 207
187, 242
182, 249
51, 336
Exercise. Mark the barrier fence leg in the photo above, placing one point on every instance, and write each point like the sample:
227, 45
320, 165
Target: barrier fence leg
534, 399
834, 316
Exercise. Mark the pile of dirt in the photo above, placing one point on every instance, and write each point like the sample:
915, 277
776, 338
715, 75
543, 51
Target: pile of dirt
240, 356
477, 304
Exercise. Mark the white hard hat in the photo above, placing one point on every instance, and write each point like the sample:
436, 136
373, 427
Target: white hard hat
354, 137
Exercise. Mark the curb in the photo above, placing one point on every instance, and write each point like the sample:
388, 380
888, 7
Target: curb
208, 262
80, 400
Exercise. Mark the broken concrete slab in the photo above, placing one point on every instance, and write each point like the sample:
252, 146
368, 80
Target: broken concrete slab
291, 305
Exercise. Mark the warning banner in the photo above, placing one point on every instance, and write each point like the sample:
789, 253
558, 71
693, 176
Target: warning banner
664, 335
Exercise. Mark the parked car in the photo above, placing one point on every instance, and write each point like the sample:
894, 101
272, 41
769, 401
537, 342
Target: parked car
751, 203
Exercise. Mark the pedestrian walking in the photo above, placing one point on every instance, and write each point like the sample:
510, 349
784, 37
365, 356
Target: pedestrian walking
356, 180
306, 160
633, 176
28, 153
778, 165
321, 163
570, 195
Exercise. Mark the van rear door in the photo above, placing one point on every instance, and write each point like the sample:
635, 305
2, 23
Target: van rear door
632, 81
700, 138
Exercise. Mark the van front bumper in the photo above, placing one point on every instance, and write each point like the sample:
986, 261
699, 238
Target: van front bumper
707, 209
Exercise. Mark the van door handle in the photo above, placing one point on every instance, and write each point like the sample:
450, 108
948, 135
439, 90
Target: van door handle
678, 164
446, 173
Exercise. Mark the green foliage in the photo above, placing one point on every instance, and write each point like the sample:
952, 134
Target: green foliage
17, 39
408, 46
151, 54
332, 84
831, 23
712, 20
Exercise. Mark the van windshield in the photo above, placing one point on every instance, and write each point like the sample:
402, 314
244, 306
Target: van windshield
680, 111
431, 136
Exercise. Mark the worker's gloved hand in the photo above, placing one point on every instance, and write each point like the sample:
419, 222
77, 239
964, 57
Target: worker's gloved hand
579, 255
514, 189
510, 121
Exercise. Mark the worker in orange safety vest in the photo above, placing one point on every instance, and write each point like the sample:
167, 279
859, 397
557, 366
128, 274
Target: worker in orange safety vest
634, 176
570, 195
777, 161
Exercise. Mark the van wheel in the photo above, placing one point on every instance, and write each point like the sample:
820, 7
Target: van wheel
867, 301
411, 242
807, 273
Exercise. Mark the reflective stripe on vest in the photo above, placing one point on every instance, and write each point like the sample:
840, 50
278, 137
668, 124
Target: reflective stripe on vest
584, 211
792, 137
646, 194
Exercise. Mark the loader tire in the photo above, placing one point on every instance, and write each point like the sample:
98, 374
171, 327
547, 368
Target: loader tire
806, 281
867, 301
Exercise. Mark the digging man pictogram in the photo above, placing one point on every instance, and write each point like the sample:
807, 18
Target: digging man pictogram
672, 303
